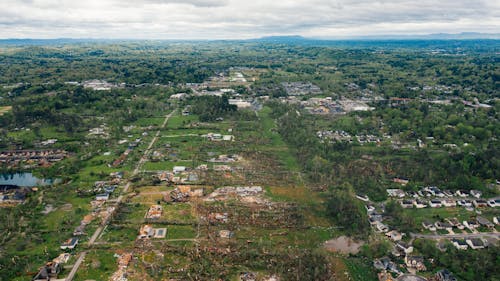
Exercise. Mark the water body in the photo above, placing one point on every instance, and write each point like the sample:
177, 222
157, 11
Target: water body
23, 179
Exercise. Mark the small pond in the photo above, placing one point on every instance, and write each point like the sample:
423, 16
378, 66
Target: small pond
23, 179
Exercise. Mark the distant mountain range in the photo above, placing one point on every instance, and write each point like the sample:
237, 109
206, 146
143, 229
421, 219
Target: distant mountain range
436, 36
286, 39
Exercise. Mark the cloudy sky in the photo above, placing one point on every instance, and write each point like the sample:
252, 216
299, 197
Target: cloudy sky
241, 19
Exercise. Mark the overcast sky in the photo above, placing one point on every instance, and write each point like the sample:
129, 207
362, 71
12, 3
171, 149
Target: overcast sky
237, 19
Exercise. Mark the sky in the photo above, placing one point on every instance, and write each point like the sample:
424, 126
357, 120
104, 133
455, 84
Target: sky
237, 19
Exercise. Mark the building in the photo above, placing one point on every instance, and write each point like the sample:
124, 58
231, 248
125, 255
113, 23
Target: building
445, 275
146, 231
459, 244
401, 180
69, 244
416, 262
475, 243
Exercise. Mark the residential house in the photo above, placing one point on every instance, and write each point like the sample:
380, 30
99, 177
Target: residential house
484, 222
69, 244
226, 234
179, 169
429, 225
48, 271
443, 225
462, 193
154, 212
404, 247
419, 204
464, 203
476, 193
449, 203
385, 276
459, 244
435, 203
475, 243
445, 275
471, 224
395, 192
380, 227
416, 262
407, 204
102, 197
480, 203
455, 223
401, 180
448, 193
394, 235
146, 231
370, 208
384, 264
362, 197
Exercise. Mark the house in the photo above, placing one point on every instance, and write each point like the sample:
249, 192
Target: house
448, 193
394, 235
419, 204
401, 180
381, 227
362, 197
385, 276
79, 230
492, 203
384, 264
459, 244
416, 262
445, 275
369, 208
374, 218
413, 194
407, 204
475, 243
476, 193
464, 203
479, 203
48, 271
146, 231
455, 223
406, 248
470, 224
395, 192
429, 225
154, 212
226, 234
179, 169
69, 244
410, 277
443, 225
435, 203
449, 203
484, 222
102, 197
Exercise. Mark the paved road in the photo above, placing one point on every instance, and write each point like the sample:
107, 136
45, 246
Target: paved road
78, 262
461, 235
99, 230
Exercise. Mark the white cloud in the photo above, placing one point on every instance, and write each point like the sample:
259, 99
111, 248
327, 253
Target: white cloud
219, 19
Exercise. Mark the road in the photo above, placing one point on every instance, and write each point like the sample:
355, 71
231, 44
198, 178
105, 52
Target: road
78, 262
99, 230
461, 235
